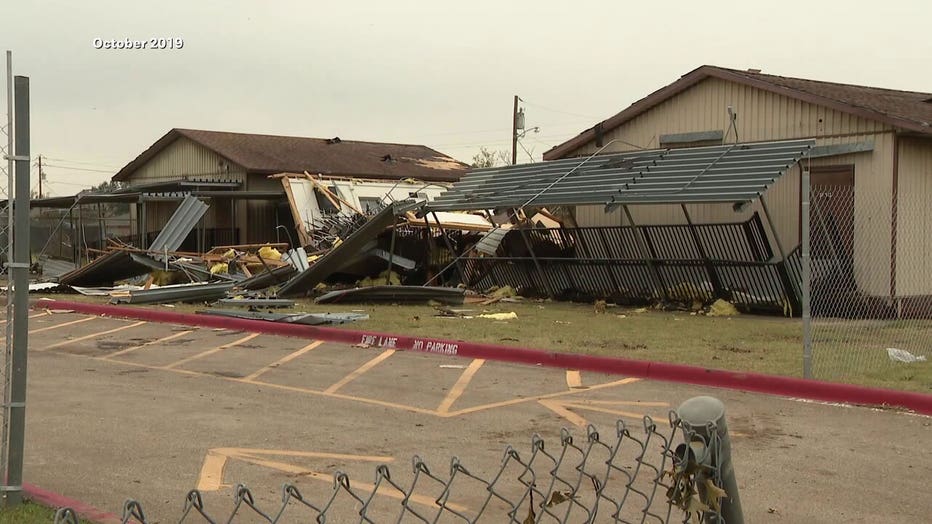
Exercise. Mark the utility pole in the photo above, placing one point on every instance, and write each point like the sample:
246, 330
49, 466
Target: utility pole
514, 133
40, 176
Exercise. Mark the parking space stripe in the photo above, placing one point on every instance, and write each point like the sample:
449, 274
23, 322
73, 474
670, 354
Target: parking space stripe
247, 338
158, 341
360, 371
284, 360
512, 402
92, 335
457, 390
573, 379
63, 324
44, 313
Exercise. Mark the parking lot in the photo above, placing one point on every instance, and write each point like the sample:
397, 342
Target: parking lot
123, 408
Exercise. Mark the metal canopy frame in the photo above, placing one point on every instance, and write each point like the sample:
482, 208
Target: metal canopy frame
717, 174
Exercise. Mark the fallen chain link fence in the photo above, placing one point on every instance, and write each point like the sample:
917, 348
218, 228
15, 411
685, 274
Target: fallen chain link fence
639, 475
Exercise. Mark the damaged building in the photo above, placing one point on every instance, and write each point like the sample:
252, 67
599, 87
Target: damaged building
247, 206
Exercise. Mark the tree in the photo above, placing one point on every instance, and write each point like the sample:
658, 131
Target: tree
487, 158
110, 209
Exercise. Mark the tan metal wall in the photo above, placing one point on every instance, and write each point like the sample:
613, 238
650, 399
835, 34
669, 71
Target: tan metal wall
765, 116
258, 219
914, 218
184, 157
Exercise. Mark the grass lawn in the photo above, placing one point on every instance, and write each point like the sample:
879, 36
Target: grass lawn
744, 343
27, 513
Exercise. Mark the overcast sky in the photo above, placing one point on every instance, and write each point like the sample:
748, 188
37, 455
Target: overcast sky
439, 73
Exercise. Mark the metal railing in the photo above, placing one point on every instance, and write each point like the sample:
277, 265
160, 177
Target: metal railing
677, 263
646, 474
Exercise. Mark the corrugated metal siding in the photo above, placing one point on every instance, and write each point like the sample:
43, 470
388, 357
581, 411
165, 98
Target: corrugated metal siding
764, 116
184, 157
914, 218
260, 214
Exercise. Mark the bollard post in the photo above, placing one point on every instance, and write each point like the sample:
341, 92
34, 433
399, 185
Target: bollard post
705, 417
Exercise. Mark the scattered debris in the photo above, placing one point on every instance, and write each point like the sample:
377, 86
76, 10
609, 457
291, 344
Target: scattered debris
257, 302
202, 292
406, 294
901, 355
511, 315
722, 308
309, 319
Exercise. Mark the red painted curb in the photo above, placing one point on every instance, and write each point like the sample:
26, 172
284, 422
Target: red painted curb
56, 501
752, 382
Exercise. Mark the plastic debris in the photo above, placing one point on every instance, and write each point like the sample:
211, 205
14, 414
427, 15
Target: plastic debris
511, 315
901, 355
221, 268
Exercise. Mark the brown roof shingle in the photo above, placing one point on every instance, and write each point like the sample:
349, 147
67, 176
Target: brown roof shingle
907, 110
276, 154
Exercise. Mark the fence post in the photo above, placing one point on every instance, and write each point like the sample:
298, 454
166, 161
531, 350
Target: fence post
705, 416
806, 276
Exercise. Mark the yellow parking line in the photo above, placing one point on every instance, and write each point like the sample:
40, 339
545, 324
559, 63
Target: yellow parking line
163, 339
212, 351
63, 324
522, 400
457, 390
285, 359
573, 379
362, 369
92, 335
44, 313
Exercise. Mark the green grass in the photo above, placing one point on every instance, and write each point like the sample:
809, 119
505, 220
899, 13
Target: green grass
27, 513
755, 343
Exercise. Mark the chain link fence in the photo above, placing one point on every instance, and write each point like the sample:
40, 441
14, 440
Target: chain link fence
645, 474
871, 284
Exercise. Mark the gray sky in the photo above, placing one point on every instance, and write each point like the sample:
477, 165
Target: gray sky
438, 73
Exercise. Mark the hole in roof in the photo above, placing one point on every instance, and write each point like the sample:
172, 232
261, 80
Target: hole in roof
928, 100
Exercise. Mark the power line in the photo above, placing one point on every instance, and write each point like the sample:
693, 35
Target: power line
110, 171
546, 108
84, 162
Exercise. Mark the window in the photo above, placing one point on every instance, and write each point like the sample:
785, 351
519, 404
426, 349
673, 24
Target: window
324, 204
370, 205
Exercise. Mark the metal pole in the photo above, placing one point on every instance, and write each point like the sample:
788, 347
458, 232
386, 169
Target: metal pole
514, 133
645, 253
705, 417
806, 276
7, 360
20, 270
773, 227
456, 259
530, 249
710, 269
391, 256
789, 285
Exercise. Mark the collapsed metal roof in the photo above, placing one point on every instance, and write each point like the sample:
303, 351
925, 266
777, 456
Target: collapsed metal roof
716, 174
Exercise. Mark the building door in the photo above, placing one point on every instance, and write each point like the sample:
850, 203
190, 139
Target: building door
832, 225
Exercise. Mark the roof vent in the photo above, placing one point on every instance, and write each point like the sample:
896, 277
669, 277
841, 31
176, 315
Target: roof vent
755, 71
334, 140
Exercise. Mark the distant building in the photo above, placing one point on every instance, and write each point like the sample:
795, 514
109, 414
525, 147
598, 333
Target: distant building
871, 168
231, 171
